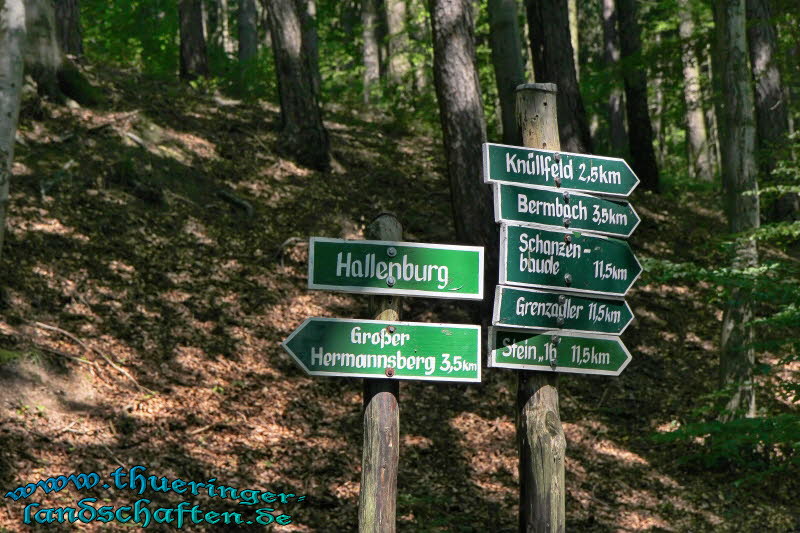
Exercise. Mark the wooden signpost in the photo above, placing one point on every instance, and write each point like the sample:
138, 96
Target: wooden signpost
562, 275
384, 349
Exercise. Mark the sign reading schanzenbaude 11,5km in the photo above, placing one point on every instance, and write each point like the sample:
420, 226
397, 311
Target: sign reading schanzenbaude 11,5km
374, 348
534, 257
402, 268
529, 166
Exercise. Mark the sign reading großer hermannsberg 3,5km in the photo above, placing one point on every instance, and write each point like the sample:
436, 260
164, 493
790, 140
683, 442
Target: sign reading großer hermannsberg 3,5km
377, 349
528, 166
402, 268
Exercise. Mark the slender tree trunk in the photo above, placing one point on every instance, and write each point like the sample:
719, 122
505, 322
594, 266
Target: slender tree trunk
553, 62
194, 61
420, 33
739, 181
398, 64
640, 130
712, 108
611, 56
302, 132
224, 27
311, 43
12, 44
371, 53
248, 30
772, 111
657, 82
68, 27
507, 61
696, 132
463, 127
572, 6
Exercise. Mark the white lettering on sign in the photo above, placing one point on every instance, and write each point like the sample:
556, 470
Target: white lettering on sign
404, 270
548, 309
540, 165
398, 361
576, 211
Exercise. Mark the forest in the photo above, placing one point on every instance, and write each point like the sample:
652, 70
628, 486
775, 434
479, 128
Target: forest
170, 172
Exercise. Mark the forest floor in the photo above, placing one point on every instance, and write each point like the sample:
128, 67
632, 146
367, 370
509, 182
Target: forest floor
156, 257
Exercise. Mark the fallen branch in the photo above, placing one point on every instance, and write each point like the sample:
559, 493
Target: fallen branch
95, 350
236, 201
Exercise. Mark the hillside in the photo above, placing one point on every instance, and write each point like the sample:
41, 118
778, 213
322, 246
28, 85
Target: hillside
156, 257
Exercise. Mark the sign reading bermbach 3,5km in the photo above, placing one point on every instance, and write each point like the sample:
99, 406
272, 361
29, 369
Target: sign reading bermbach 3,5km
536, 205
528, 166
558, 259
374, 348
403, 268
528, 308
557, 352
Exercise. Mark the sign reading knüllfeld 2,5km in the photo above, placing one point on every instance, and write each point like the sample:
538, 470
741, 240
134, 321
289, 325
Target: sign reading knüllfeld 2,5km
403, 268
528, 166
534, 257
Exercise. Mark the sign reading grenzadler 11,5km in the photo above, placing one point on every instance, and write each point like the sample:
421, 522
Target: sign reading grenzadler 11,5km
402, 268
528, 166
375, 348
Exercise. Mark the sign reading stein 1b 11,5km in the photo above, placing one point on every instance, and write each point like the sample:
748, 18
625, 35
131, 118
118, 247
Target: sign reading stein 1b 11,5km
527, 166
402, 268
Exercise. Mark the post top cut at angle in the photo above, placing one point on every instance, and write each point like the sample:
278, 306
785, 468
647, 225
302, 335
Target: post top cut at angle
396, 268
555, 351
377, 348
608, 176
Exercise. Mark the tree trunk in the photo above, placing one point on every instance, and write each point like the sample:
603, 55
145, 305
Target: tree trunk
463, 127
303, 134
611, 55
371, 53
194, 61
739, 181
420, 33
68, 27
640, 130
12, 43
43, 57
398, 64
248, 30
696, 132
311, 43
224, 27
507, 61
657, 116
572, 7
553, 62
772, 112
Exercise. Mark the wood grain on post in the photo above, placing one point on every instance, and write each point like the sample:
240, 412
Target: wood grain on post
377, 500
540, 437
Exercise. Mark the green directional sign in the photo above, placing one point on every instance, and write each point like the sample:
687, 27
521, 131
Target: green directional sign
379, 349
528, 308
538, 205
557, 352
528, 166
404, 268
559, 259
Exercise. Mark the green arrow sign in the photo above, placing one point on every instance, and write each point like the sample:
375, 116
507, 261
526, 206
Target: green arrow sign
404, 268
538, 205
557, 352
527, 166
549, 310
379, 349
559, 259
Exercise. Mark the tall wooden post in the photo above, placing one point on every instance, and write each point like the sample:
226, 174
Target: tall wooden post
540, 438
378, 496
